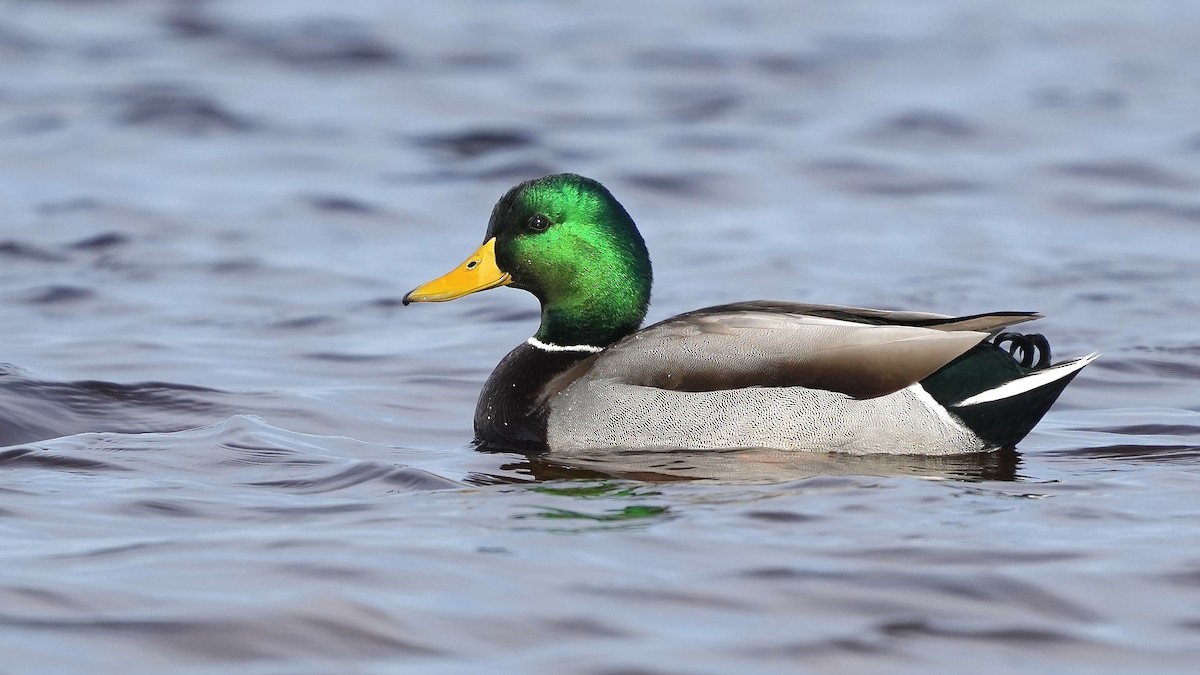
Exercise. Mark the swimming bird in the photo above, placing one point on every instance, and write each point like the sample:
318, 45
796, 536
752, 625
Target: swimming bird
760, 374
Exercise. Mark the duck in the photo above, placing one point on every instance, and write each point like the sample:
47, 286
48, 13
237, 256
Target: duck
756, 374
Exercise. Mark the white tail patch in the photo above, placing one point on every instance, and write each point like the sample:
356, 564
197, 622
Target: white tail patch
1029, 382
938, 409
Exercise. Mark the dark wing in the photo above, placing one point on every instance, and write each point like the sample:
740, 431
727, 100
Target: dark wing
863, 353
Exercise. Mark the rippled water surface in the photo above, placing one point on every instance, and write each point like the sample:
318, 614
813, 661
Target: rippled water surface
226, 448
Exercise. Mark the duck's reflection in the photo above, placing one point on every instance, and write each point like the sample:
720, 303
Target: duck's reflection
754, 465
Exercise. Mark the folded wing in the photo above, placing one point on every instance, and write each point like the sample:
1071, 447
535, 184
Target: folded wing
863, 353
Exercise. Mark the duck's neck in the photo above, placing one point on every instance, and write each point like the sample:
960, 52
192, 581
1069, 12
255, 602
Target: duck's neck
597, 314
573, 327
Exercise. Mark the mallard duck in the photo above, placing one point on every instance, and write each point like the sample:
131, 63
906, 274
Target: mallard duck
751, 374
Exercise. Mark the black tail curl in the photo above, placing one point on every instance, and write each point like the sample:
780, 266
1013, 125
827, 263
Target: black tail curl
1033, 348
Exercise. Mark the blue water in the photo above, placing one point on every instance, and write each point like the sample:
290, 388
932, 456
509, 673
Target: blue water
226, 448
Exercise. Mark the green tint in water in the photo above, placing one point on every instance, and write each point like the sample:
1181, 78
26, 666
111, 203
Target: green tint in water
619, 490
602, 489
612, 515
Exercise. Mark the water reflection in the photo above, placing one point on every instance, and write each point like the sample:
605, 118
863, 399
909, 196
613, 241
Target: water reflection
757, 465
1169, 454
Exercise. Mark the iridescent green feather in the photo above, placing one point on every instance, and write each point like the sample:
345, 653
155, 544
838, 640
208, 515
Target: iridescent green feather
589, 268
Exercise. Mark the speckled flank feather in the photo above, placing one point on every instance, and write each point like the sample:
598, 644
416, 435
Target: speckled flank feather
610, 414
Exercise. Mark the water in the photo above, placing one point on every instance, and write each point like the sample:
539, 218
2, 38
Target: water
228, 449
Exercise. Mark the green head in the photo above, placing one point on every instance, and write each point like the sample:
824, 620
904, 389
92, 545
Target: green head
565, 239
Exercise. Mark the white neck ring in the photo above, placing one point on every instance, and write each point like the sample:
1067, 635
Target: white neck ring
551, 347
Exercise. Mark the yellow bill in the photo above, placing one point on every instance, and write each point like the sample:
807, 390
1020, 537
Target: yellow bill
477, 273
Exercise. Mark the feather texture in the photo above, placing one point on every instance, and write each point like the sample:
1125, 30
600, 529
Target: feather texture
858, 352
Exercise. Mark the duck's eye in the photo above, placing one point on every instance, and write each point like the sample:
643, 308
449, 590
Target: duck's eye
538, 223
